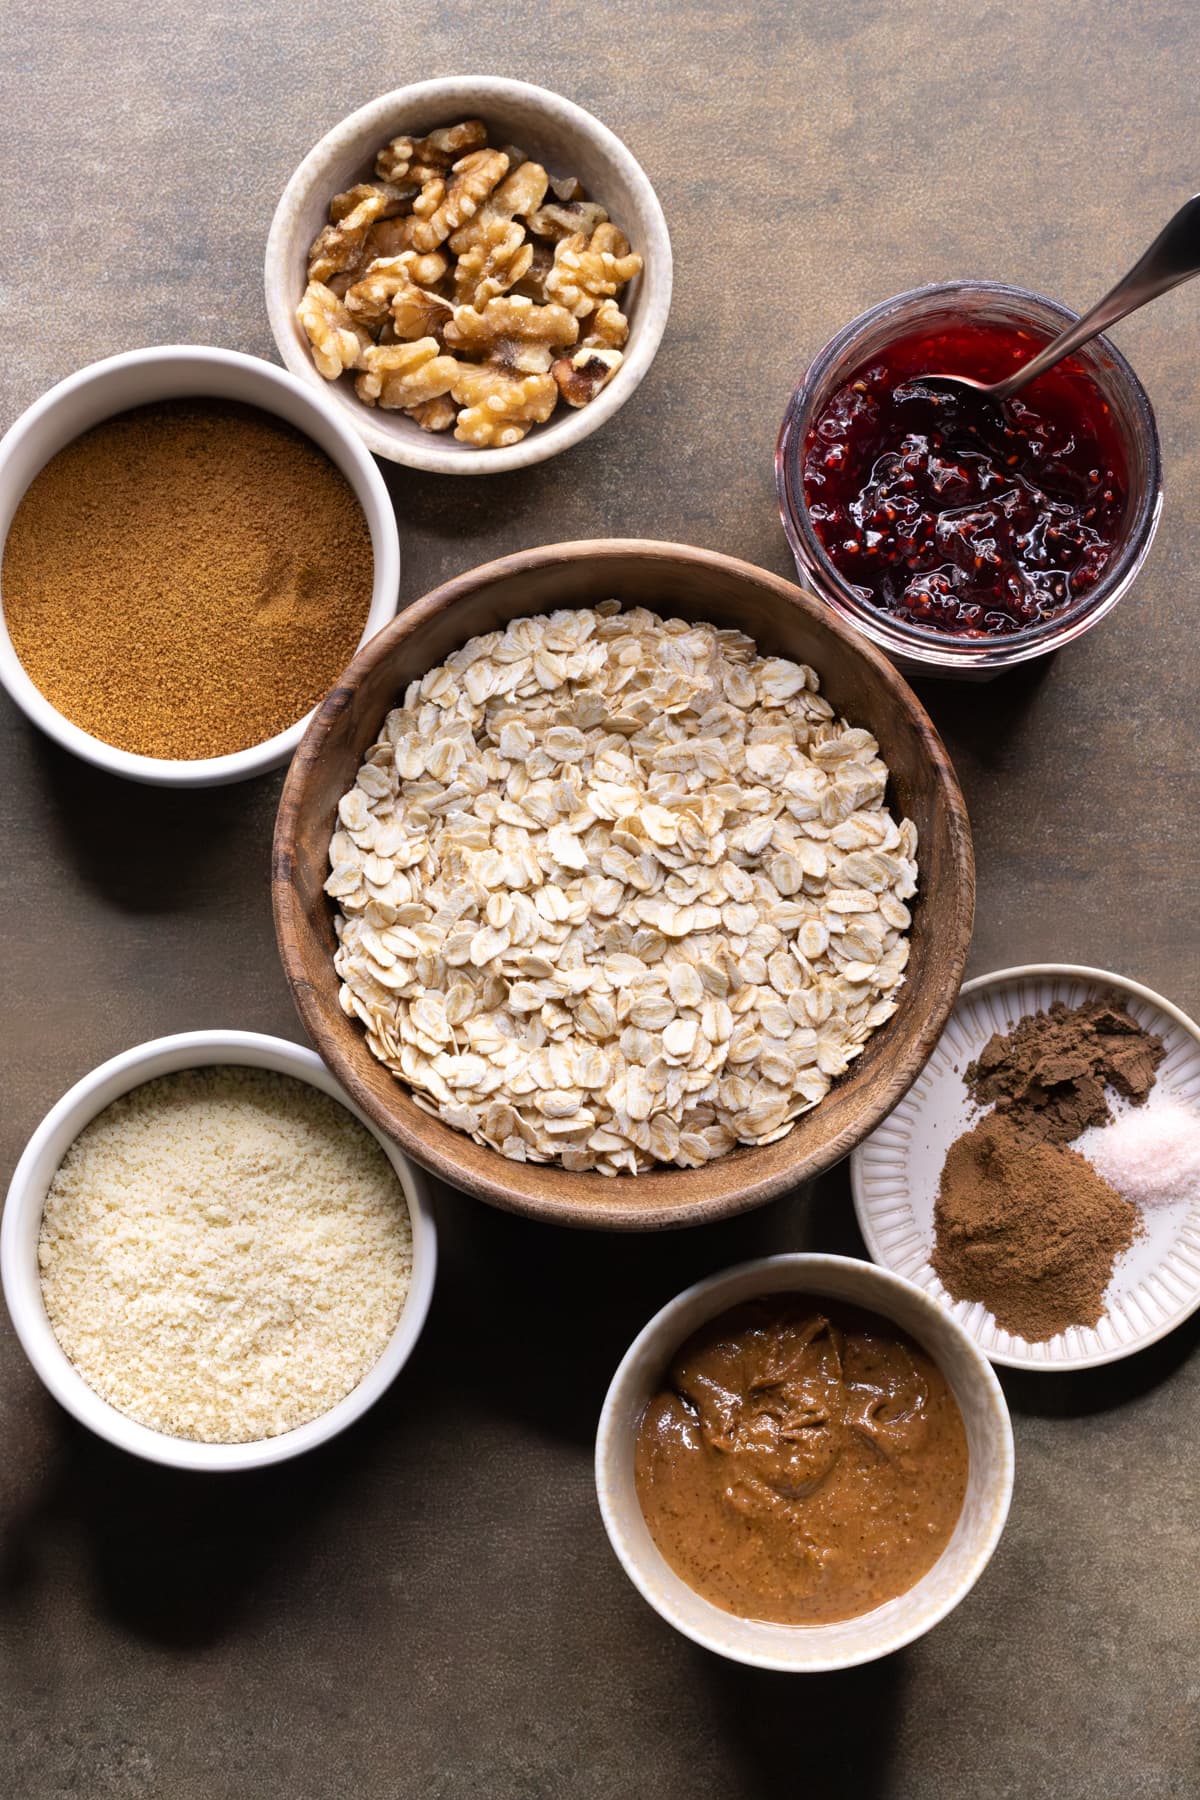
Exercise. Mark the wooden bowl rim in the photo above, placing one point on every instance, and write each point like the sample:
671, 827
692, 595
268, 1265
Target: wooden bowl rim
518, 1187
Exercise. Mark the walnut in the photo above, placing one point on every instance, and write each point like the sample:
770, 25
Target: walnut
533, 282
416, 313
432, 193
370, 298
437, 151
398, 376
519, 194
337, 341
424, 173
492, 266
580, 377
396, 200
471, 181
388, 296
585, 273
609, 240
523, 359
509, 316
395, 159
566, 188
499, 408
387, 239
434, 415
565, 220
429, 269
523, 192
338, 245
391, 237
607, 328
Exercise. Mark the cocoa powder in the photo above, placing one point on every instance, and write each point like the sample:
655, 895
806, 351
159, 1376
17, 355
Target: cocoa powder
1021, 1223
1049, 1072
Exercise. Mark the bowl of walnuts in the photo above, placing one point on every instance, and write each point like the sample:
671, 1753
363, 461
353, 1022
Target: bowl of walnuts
476, 273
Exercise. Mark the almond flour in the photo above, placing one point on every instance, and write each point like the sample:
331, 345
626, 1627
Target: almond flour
224, 1254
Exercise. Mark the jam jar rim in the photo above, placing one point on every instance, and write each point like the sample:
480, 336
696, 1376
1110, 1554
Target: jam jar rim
926, 644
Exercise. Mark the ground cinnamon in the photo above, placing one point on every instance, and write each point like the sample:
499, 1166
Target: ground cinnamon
1027, 1228
187, 579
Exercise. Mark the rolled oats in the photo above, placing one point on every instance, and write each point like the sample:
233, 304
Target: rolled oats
616, 891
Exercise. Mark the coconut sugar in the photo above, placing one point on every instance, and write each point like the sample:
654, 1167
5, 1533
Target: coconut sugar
224, 1253
187, 579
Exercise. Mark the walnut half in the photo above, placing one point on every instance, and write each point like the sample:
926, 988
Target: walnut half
398, 376
338, 245
580, 377
434, 415
499, 408
587, 272
607, 328
471, 181
437, 151
566, 218
336, 339
509, 316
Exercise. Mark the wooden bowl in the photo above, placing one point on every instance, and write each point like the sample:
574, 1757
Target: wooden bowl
693, 584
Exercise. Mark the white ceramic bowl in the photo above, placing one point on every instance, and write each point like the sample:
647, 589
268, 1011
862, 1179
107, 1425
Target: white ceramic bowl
22, 1223
555, 131
808, 1649
895, 1173
171, 372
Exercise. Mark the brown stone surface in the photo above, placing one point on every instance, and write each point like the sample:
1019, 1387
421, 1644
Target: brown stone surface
429, 1607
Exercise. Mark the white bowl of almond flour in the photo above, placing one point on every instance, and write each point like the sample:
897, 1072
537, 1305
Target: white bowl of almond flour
210, 1257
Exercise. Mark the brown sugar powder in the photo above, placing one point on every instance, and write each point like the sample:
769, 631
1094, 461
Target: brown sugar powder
187, 579
1029, 1229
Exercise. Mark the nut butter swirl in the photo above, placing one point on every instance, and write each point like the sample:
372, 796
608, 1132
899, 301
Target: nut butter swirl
803, 1463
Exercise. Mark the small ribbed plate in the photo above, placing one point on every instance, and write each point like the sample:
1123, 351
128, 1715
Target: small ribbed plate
895, 1172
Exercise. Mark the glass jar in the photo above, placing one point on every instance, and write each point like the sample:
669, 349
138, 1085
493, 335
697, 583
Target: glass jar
923, 649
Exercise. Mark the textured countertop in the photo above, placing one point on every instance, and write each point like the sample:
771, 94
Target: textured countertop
429, 1606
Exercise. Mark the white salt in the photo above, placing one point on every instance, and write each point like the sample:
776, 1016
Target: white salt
1150, 1154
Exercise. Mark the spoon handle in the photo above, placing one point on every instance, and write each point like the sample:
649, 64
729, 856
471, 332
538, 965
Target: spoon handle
1174, 256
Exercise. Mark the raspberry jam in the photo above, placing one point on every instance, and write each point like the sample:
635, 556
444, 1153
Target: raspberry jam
957, 514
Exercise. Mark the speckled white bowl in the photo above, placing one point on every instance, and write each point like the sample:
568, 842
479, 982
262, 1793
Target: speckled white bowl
185, 372
808, 1649
22, 1225
555, 131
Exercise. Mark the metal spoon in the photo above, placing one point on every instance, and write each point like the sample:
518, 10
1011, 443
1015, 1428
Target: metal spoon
1174, 256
